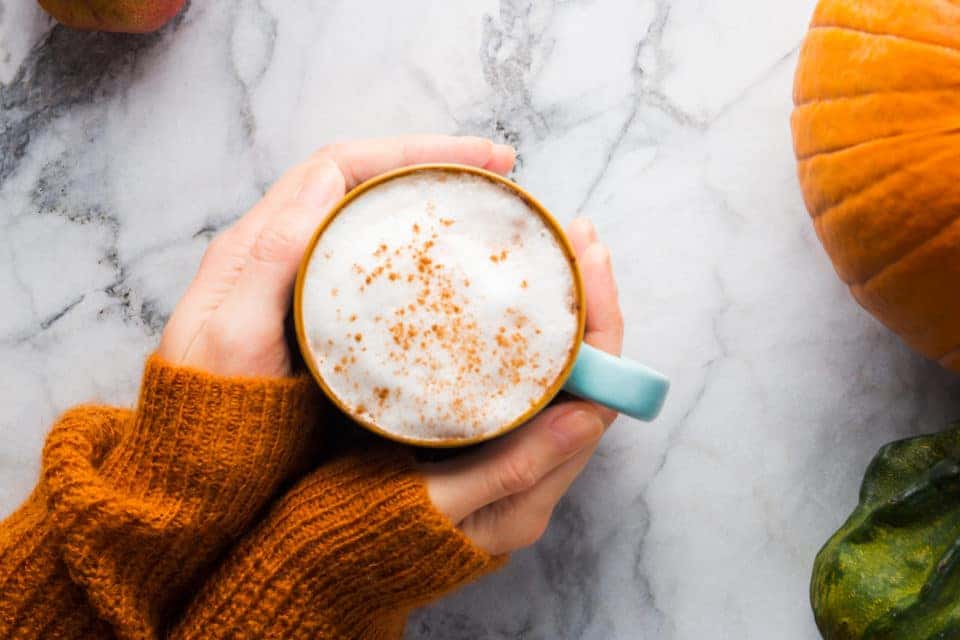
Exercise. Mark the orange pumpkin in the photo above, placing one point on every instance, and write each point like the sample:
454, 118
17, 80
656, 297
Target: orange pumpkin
876, 130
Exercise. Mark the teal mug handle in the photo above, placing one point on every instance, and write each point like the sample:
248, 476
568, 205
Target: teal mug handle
624, 385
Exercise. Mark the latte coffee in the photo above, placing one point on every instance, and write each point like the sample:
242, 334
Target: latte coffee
439, 306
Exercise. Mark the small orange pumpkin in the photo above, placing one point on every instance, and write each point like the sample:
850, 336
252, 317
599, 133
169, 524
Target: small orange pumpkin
876, 130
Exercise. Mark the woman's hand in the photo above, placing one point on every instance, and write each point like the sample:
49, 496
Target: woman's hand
231, 319
231, 322
502, 496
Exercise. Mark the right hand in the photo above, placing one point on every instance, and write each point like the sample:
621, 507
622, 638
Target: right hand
502, 495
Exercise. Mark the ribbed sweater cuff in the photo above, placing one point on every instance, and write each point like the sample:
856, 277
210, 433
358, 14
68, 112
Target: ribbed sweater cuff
346, 554
195, 432
393, 549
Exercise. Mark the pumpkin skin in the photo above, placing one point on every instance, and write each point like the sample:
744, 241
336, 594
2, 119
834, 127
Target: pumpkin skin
876, 131
892, 571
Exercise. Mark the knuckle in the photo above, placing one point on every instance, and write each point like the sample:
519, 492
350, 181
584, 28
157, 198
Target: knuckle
515, 475
274, 243
336, 157
327, 151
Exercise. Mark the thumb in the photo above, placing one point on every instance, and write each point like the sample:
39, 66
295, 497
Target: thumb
512, 465
266, 283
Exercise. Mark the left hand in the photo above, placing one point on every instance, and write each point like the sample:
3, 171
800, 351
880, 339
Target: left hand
231, 319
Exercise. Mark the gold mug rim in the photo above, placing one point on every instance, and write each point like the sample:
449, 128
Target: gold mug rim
558, 233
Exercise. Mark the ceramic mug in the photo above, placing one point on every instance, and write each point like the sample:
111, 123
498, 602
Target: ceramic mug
621, 384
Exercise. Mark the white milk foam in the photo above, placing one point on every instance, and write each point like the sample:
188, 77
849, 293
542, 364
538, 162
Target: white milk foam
439, 306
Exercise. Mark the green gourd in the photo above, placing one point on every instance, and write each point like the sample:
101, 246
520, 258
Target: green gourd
892, 571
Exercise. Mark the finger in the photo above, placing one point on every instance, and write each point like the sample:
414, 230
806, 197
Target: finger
520, 519
226, 259
604, 319
514, 464
227, 254
582, 234
604, 331
364, 159
503, 158
282, 192
537, 504
266, 283
604, 322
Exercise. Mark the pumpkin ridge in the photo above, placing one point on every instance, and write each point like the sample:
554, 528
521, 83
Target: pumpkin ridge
931, 238
947, 88
818, 215
876, 132
878, 181
892, 136
879, 34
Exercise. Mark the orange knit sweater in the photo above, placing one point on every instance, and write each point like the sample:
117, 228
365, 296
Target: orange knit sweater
191, 517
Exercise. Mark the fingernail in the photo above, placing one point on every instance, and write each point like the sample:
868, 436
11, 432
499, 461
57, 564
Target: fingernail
321, 185
573, 431
500, 150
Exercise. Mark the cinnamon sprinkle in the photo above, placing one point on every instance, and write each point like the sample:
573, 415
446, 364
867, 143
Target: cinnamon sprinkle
434, 330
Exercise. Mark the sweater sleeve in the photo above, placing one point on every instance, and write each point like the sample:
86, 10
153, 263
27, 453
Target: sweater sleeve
133, 507
347, 553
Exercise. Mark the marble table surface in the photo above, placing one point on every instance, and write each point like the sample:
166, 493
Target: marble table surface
665, 121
